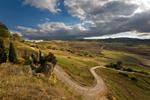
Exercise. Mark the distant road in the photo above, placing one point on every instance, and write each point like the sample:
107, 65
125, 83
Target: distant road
98, 92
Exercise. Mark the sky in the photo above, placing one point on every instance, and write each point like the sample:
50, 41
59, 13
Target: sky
77, 19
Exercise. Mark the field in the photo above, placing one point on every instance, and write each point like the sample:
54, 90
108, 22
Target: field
126, 86
76, 58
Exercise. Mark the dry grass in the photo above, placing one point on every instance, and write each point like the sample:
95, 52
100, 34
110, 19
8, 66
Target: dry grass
17, 82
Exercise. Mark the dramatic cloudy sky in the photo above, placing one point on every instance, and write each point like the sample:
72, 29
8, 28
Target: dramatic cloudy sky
76, 19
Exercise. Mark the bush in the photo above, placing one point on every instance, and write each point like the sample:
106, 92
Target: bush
133, 79
123, 74
117, 65
45, 64
51, 58
128, 69
12, 54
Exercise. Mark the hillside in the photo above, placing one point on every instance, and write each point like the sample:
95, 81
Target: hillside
19, 77
76, 59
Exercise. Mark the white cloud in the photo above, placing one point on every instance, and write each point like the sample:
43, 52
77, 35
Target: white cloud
80, 8
129, 34
16, 32
54, 27
97, 17
27, 29
51, 5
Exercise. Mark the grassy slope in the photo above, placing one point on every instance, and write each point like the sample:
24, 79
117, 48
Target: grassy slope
78, 67
123, 88
19, 78
74, 64
17, 82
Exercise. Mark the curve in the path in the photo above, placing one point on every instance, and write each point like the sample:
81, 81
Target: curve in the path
98, 92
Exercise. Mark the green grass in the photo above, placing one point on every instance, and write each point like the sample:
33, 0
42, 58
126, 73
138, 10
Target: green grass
138, 68
122, 87
78, 70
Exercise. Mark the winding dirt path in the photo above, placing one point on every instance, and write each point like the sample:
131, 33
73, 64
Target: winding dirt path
98, 92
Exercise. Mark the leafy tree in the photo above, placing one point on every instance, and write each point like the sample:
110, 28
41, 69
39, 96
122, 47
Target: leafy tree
12, 53
41, 58
4, 32
3, 53
51, 58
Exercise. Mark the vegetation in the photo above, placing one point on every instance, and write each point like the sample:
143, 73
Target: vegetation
125, 86
17, 82
126, 81
27, 59
117, 65
12, 53
3, 52
4, 32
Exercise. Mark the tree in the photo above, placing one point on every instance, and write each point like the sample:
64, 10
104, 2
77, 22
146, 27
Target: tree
51, 58
12, 53
41, 58
4, 32
3, 53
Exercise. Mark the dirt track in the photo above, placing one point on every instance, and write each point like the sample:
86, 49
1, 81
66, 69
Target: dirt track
98, 92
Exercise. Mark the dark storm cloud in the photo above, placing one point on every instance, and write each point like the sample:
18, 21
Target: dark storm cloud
139, 22
116, 7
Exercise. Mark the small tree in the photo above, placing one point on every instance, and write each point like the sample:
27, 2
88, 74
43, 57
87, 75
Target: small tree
41, 58
12, 53
51, 58
3, 53
4, 32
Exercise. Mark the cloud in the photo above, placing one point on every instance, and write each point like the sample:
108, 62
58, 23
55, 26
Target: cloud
53, 30
92, 8
129, 34
51, 5
27, 29
97, 18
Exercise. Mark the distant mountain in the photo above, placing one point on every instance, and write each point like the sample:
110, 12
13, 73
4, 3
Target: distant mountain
125, 40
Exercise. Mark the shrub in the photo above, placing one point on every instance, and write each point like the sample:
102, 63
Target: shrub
51, 58
128, 69
117, 65
12, 54
133, 78
46, 63
123, 74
